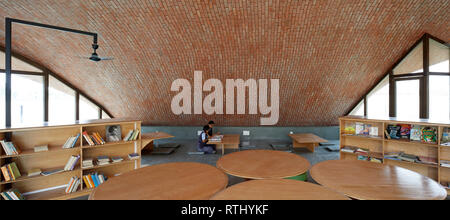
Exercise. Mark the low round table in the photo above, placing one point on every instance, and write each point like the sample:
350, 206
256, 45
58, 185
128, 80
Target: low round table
278, 189
263, 164
373, 181
171, 181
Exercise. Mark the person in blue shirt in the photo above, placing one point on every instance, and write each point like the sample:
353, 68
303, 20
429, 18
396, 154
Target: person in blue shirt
203, 139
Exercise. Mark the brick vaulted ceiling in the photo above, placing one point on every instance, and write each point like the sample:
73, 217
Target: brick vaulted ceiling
326, 53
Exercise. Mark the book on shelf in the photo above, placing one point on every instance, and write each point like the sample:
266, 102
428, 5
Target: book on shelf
415, 133
88, 163
392, 155
10, 172
42, 148
445, 163
375, 160
362, 157
113, 133
393, 132
73, 160
12, 194
133, 156
359, 128
94, 180
132, 135
373, 131
73, 185
362, 151
408, 157
9, 148
429, 135
405, 131
445, 140
52, 172
116, 159
427, 160
349, 149
103, 160
71, 141
87, 138
34, 172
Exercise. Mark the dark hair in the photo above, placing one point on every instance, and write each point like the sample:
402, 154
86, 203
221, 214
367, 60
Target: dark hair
206, 127
211, 122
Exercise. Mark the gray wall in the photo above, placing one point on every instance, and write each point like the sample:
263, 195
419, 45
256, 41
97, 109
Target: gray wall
256, 133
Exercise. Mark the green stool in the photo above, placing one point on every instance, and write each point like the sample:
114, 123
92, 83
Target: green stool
301, 177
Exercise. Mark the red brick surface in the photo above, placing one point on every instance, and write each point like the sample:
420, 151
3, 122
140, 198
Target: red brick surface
326, 53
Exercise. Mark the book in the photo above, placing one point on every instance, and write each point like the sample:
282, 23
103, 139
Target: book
366, 130
408, 157
393, 131
133, 156
88, 138
415, 133
362, 151
5, 173
116, 159
428, 160
373, 131
428, 135
127, 137
42, 148
102, 160
51, 172
135, 135
375, 160
113, 133
361, 157
359, 128
9, 148
70, 165
88, 163
14, 170
445, 140
34, 172
349, 149
405, 131
216, 138
5, 148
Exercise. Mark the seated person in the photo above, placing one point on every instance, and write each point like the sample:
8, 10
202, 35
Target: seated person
211, 125
203, 140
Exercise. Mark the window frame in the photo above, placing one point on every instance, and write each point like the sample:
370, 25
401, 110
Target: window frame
45, 73
423, 77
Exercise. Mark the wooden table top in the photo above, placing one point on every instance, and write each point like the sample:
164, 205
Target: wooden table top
228, 139
171, 181
263, 164
278, 189
307, 138
374, 181
156, 135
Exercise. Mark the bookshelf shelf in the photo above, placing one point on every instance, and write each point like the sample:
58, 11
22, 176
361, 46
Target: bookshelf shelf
382, 145
53, 187
412, 163
411, 142
362, 137
108, 144
26, 178
50, 150
108, 165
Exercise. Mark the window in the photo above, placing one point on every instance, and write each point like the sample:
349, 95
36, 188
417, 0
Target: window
378, 100
359, 109
105, 115
61, 102
439, 57
88, 110
440, 97
17, 64
2, 100
408, 99
27, 99
412, 63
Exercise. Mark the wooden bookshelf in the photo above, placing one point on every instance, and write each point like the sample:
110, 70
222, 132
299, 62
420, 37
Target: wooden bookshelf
384, 145
53, 187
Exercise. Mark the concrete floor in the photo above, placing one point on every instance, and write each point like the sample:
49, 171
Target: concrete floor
181, 155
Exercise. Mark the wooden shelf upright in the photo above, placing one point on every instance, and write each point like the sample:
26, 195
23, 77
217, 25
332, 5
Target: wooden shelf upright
55, 135
382, 145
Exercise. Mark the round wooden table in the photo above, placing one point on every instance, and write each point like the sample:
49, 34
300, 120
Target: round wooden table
374, 181
171, 181
263, 164
278, 189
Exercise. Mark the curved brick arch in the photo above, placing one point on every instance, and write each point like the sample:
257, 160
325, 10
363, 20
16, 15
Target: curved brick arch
327, 54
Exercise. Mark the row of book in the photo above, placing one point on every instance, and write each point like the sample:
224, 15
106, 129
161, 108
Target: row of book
105, 160
420, 133
70, 143
12, 194
73, 160
73, 185
94, 139
94, 180
359, 128
10, 172
132, 135
445, 163
363, 154
401, 156
9, 148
